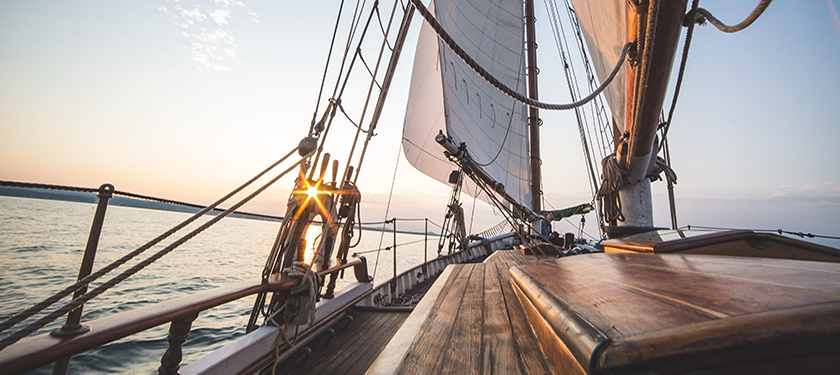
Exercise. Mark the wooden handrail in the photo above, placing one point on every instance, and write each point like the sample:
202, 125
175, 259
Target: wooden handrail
33, 352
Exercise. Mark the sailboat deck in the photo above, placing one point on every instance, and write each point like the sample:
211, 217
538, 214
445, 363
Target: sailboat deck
353, 348
474, 324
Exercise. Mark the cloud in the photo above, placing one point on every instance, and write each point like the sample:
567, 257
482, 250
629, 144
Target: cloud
810, 191
210, 43
220, 16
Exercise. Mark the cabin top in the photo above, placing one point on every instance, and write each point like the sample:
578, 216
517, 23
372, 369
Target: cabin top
721, 242
674, 313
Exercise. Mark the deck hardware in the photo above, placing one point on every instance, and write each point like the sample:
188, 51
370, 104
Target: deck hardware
73, 325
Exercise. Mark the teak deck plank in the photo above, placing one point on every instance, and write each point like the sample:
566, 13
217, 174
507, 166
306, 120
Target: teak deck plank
475, 326
463, 352
353, 348
425, 353
498, 336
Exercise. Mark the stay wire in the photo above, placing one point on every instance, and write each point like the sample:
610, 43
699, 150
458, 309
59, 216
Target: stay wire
692, 14
76, 302
388, 208
23, 315
373, 74
779, 231
339, 82
326, 66
388, 248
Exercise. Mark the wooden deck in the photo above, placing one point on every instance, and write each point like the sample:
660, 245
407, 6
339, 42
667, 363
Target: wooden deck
470, 323
353, 348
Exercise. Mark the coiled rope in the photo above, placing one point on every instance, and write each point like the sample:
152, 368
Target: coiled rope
443, 35
612, 179
309, 284
743, 25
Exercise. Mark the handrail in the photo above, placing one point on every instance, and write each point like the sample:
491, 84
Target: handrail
265, 360
36, 351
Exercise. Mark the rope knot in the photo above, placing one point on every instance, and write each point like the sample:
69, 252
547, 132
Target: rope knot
300, 307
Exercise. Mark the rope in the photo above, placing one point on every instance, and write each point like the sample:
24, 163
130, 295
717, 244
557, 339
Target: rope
23, 315
501, 86
30, 185
388, 248
612, 179
691, 14
75, 303
309, 284
326, 67
642, 79
387, 209
743, 25
495, 230
779, 231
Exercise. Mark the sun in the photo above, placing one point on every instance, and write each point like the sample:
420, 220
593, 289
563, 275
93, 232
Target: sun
312, 191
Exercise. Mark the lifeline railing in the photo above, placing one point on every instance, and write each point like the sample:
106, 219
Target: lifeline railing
36, 351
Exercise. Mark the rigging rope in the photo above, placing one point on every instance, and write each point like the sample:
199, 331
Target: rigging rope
388, 248
326, 67
76, 302
692, 14
23, 315
612, 179
602, 127
388, 208
446, 38
743, 25
780, 231
30, 185
698, 15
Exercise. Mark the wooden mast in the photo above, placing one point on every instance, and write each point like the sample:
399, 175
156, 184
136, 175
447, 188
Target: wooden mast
640, 151
533, 112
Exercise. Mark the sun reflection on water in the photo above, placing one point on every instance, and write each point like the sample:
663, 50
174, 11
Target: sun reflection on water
311, 242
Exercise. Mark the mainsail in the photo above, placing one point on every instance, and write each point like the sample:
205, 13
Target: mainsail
446, 95
603, 23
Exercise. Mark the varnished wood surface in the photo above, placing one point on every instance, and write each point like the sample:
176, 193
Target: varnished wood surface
353, 348
645, 307
722, 242
477, 325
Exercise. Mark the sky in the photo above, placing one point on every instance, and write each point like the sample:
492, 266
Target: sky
188, 99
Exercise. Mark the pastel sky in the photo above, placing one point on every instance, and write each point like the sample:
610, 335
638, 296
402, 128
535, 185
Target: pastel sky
187, 99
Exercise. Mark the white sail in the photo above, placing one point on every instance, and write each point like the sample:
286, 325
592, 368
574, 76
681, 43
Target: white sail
603, 23
447, 95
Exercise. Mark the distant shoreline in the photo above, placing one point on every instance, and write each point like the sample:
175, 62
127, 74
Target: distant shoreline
84, 197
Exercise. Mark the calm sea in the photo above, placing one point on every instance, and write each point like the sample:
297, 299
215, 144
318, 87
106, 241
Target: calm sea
41, 247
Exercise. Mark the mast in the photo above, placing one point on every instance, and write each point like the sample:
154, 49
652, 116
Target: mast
533, 112
644, 103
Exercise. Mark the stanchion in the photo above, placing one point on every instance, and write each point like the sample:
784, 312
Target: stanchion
73, 325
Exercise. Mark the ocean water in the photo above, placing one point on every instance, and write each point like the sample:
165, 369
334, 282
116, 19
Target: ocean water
41, 248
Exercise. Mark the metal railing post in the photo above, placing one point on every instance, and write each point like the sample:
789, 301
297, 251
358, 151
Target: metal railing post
73, 325
395, 249
426, 245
